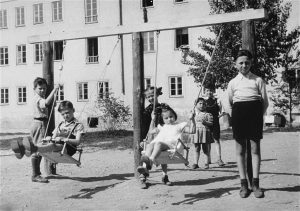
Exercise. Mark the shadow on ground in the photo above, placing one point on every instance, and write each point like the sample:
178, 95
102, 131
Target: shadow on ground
94, 179
211, 193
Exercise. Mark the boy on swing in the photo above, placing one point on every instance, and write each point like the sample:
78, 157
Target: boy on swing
69, 131
167, 136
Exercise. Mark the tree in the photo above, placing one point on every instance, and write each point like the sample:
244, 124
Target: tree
271, 39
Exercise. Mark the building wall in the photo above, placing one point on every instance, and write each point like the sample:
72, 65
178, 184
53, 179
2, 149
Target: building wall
75, 69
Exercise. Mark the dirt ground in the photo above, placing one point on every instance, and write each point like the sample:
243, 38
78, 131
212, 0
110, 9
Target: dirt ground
105, 181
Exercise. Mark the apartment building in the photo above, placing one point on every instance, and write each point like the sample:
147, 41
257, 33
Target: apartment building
93, 66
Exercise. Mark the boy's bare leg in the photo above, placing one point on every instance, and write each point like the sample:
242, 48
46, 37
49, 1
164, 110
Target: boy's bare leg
51, 147
256, 159
240, 146
218, 150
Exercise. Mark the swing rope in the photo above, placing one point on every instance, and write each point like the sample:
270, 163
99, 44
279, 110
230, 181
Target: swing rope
56, 92
101, 76
155, 73
208, 66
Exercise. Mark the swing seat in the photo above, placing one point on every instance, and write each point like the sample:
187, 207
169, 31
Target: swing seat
173, 156
62, 156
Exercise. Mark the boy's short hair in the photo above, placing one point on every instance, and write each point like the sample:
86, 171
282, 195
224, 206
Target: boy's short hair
39, 81
150, 90
244, 52
65, 105
168, 108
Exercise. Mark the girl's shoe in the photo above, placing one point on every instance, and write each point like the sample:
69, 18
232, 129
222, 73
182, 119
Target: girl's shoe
195, 166
220, 163
146, 159
142, 170
244, 192
206, 166
166, 181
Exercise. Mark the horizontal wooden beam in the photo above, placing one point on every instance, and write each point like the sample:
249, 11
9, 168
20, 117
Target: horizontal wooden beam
92, 31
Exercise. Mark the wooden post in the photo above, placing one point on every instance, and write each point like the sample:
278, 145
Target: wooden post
138, 99
48, 74
249, 43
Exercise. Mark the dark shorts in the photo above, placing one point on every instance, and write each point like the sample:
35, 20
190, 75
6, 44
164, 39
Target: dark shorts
247, 120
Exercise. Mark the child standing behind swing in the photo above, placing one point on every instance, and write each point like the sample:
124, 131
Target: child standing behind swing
203, 136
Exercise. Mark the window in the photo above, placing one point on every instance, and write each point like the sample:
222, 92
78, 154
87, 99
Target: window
175, 86
3, 19
4, 96
92, 50
103, 89
21, 54
38, 52
56, 11
91, 15
4, 56
20, 16
38, 13
147, 3
58, 50
148, 38
22, 96
82, 92
180, 1
147, 82
182, 37
60, 94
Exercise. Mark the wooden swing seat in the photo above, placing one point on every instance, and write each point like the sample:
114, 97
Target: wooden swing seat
173, 156
62, 157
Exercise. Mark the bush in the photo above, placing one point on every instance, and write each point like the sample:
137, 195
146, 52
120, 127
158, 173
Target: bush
113, 112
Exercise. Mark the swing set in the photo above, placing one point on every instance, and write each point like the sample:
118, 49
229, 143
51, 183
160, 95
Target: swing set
138, 66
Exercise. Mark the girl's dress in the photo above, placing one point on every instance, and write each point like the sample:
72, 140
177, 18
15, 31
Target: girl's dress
169, 134
203, 133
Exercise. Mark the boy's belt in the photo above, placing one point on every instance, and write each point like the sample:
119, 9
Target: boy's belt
41, 118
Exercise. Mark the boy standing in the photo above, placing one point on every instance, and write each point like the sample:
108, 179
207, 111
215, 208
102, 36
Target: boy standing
40, 119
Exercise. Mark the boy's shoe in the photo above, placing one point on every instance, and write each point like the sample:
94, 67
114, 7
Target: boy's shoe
206, 166
166, 181
40, 179
18, 148
195, 166
29, 146
244, 192
258, 192
220, 163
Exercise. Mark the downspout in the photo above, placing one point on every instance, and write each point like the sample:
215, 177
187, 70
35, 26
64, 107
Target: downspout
122, 47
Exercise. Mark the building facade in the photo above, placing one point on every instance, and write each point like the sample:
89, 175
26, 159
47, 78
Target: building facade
91, 67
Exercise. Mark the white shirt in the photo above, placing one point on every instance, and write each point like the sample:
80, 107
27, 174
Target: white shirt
248, 87
39, 107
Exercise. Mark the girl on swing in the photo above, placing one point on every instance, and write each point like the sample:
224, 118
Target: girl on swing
167, 136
